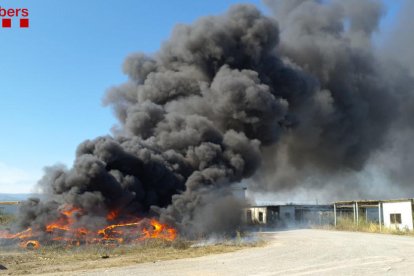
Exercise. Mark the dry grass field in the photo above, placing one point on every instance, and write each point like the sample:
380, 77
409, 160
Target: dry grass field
347, 224
58, 258
52, 259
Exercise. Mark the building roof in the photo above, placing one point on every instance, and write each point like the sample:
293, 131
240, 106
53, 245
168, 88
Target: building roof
372, 202
339, 204
290, 205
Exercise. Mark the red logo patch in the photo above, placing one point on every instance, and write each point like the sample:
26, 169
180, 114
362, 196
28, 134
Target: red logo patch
24, 23
6, 23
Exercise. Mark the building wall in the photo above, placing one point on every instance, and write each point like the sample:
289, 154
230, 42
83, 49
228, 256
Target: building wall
287, 214
255, 212
402, 208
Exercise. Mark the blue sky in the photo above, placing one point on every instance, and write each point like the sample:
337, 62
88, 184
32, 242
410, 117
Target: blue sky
54, 74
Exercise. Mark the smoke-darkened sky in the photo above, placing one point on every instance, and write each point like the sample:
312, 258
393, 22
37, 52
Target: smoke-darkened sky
54, 74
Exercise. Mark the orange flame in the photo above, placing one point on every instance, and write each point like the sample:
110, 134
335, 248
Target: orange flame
30, 244
64, 229
160, 231
112, 215
21, 235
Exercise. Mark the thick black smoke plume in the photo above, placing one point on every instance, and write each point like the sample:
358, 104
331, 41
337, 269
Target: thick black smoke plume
366, 103
220, 96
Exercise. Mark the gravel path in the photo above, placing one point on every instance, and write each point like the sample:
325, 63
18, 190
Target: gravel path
296, 252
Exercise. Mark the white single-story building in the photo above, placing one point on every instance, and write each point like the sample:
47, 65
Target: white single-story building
398, 214
395, 214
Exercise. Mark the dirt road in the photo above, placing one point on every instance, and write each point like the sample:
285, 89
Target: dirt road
296, 252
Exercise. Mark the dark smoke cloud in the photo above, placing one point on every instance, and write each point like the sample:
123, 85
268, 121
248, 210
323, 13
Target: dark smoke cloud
361, 97
223, 96
399, 37
397, 161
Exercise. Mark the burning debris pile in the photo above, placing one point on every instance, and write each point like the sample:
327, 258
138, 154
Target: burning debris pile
202, 113
64, 230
